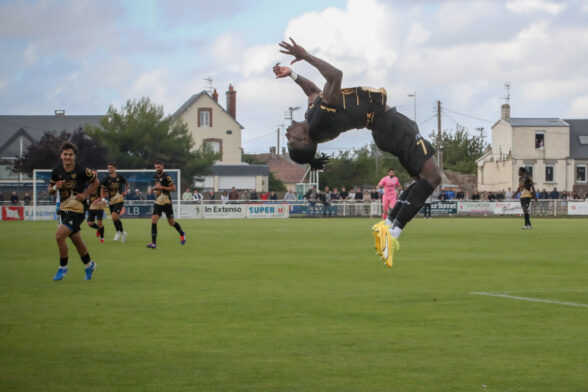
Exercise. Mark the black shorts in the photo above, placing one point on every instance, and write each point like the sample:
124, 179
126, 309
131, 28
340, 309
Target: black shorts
73, 220
117, 207
95, 215
397, 134
166, 208
525, 203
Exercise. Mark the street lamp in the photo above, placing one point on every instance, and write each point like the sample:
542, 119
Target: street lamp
413, 95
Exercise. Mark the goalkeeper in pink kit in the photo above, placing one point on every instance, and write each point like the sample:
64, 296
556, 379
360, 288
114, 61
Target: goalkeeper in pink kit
390, 183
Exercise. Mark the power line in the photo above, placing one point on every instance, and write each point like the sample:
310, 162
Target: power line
259, 137
466, 115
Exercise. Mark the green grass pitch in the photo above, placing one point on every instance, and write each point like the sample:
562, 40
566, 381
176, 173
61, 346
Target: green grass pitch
299, 305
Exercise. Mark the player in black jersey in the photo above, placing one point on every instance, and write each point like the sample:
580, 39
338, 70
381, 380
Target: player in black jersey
70, 181
96, 211
164, 184
527, 191
115, 187
334, 110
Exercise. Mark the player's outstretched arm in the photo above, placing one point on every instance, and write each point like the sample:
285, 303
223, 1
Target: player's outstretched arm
333, 76
309, 88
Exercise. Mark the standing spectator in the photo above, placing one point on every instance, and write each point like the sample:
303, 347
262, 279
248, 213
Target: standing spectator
187, 195
273, 197
264, 196
491, 196
14, 198
325, 198
139, 195
427, 207
358, 194
543, 194
335, 195
211, 195
150, 194
344, 194
197, 196
290, 196
374, 194
246, 196
254, 195
233, 195
476, 196
460, 195
554, 194
27, 199
311, 196
442, 196
564, 195
225, 197
508, 194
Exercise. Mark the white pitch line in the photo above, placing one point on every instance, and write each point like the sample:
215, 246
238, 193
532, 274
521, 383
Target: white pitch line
547, 301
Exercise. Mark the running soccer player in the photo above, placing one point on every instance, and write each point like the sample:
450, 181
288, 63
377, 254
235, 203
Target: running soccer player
528, 192
333, 111
164, 184
116, 188
96, 211
70, 181
390, 183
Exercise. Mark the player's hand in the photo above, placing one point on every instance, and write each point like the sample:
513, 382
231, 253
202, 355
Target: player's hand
97, 202
158, 186
81, 197
281, 72
59, 184
293, 50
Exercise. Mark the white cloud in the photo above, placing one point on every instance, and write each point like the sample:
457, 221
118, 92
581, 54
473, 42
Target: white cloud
579, 107
528, 6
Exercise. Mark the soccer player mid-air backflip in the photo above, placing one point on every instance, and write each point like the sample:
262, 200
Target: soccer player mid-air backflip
333, 111
70, 179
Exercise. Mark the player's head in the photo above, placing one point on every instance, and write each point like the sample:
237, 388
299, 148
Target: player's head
68, 152
522, 171
111, 168
301, 148
158, 167
391, 172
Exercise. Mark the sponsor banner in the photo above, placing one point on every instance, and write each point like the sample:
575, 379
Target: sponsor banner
443, 208
475, 208
224, 211
190, 211
267, 211
12, 213
46, 212
578, 208
508, 208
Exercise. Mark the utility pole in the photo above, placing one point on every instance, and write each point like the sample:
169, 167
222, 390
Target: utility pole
439, 144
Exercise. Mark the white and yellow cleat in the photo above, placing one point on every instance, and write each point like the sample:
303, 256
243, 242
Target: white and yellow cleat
377, 230
390, 245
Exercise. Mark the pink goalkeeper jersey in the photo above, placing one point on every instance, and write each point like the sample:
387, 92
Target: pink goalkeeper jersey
389, 184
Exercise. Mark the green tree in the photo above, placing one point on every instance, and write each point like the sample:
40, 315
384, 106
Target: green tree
139, 134
361, 167
460, 150
44, 154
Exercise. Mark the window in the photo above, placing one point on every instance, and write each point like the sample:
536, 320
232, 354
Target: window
540, 139
549, 173
581, 173
529, 170
205, 117
214, 146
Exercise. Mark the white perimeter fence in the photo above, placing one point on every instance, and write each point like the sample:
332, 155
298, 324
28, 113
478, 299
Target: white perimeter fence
266, 209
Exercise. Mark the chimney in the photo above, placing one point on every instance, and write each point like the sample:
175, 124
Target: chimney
232, 101
272, 152
60, 112
215, 96
505, 111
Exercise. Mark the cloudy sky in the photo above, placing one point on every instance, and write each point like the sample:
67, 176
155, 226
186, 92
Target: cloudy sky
84, 55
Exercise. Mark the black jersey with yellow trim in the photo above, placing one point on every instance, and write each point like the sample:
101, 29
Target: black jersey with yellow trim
163, 196
526, 183
115, 186
74, 182
358, 109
